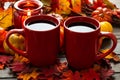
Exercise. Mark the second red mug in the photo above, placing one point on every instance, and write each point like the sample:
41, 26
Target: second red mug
82, 35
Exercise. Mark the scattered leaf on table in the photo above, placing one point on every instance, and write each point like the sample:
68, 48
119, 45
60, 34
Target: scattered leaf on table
116, 58
20, 58
17, 66
4, 60
112, 55
28, 76
1, 66
106, 73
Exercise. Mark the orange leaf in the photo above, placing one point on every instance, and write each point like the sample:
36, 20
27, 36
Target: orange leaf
116, 58
68, 74
76, 5
112, 55
1, 66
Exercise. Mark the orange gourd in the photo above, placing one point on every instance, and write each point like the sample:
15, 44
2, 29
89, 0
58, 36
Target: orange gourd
102, 14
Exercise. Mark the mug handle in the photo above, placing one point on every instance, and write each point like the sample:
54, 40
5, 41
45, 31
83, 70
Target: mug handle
114, 40
20, 31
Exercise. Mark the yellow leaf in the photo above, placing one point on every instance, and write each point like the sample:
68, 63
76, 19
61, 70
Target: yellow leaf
6, 18
27, 76
112, 55
64, 7
34, 74
20, 58
76, 5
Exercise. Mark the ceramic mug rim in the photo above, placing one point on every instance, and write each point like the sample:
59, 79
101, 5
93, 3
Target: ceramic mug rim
39, 3
82, 19
41, 17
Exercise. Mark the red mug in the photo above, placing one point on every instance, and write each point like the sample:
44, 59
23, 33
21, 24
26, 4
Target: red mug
82, 35
41, 34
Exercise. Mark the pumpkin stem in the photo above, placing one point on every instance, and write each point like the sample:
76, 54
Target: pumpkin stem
101, 15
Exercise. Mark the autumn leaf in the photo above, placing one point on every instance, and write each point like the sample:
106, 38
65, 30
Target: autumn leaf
17, 66
34, 74
67, 74
112, 56
1, 66
106, 73
4, 60
64, 7
20, 58
76, 5
77, 75
6, 18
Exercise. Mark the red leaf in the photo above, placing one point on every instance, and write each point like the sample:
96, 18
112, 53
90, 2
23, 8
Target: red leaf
106, 73
48, 71
4, 59
18, 67
77, 76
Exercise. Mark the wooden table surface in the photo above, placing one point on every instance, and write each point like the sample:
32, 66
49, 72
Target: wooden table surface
116, 67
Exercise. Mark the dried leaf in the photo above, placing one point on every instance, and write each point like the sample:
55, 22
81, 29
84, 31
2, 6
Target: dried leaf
48, 71
112, 55
1, 66
64, 7
96, 67
116, 58
67, 74
6, 18
34, 74
17, 67
76, 5
89, 74
106, 73
20, 58
4, 59
77, 76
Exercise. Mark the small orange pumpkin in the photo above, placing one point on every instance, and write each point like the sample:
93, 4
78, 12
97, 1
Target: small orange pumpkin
102, 14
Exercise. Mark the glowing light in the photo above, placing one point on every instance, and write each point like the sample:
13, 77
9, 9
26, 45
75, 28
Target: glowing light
28, 12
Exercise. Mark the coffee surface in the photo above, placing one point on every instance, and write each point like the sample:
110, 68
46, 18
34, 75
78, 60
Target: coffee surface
81, 27
41, 25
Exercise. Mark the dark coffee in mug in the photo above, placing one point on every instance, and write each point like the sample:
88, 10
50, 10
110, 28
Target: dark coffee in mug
41, 25
81, 27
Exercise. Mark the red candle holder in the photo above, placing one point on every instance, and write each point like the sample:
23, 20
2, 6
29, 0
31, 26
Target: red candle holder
25, 9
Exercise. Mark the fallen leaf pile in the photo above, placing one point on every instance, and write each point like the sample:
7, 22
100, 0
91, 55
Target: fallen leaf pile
24, 70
